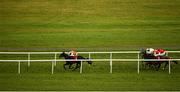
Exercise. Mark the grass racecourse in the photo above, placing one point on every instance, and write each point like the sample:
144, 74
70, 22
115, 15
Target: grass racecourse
88, 25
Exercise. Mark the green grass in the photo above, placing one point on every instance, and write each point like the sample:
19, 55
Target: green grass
94, 39
38, 76
88, 25
124, 77
120, 25
102, 82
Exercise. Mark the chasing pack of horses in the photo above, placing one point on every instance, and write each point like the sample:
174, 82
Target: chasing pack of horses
155, 64
75, 64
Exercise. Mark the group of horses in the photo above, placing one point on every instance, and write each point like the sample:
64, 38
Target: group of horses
75, 64
153, 62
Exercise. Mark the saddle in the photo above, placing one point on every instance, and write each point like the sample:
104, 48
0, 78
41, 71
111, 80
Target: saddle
75, 59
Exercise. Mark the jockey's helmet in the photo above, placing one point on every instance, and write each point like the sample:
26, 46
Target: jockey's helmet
149, 51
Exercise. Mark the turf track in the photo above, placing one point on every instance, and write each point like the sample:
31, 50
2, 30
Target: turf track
38, 77
88, 25
122, 25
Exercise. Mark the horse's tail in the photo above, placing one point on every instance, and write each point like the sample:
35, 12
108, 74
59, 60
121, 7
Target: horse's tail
89, 61
166, 57
176, 62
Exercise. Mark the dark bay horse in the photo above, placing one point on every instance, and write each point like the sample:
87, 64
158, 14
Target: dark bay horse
156, 64
70, 63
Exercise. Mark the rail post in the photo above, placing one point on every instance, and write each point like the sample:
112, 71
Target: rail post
55, 59
19, 67
138, 64
29, 57
81, 67
110, 62
169, 66
52, 68
89, 55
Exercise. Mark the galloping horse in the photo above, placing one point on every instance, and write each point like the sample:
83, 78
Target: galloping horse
70, 63
156, 64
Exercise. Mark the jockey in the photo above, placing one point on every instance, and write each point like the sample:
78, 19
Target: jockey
149, 51
156, 52
159, 53
73, 54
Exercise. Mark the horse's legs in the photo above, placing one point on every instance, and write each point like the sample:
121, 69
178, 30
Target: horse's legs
143, 64
76, 67
158, 66
146, 65
65, 65
166, 63
70, 65
149, 65
78, 64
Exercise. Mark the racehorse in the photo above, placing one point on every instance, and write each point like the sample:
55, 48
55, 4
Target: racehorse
70, 63
156, 64
150, 64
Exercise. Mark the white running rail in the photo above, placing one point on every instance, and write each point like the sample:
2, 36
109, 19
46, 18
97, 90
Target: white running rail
90, 53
